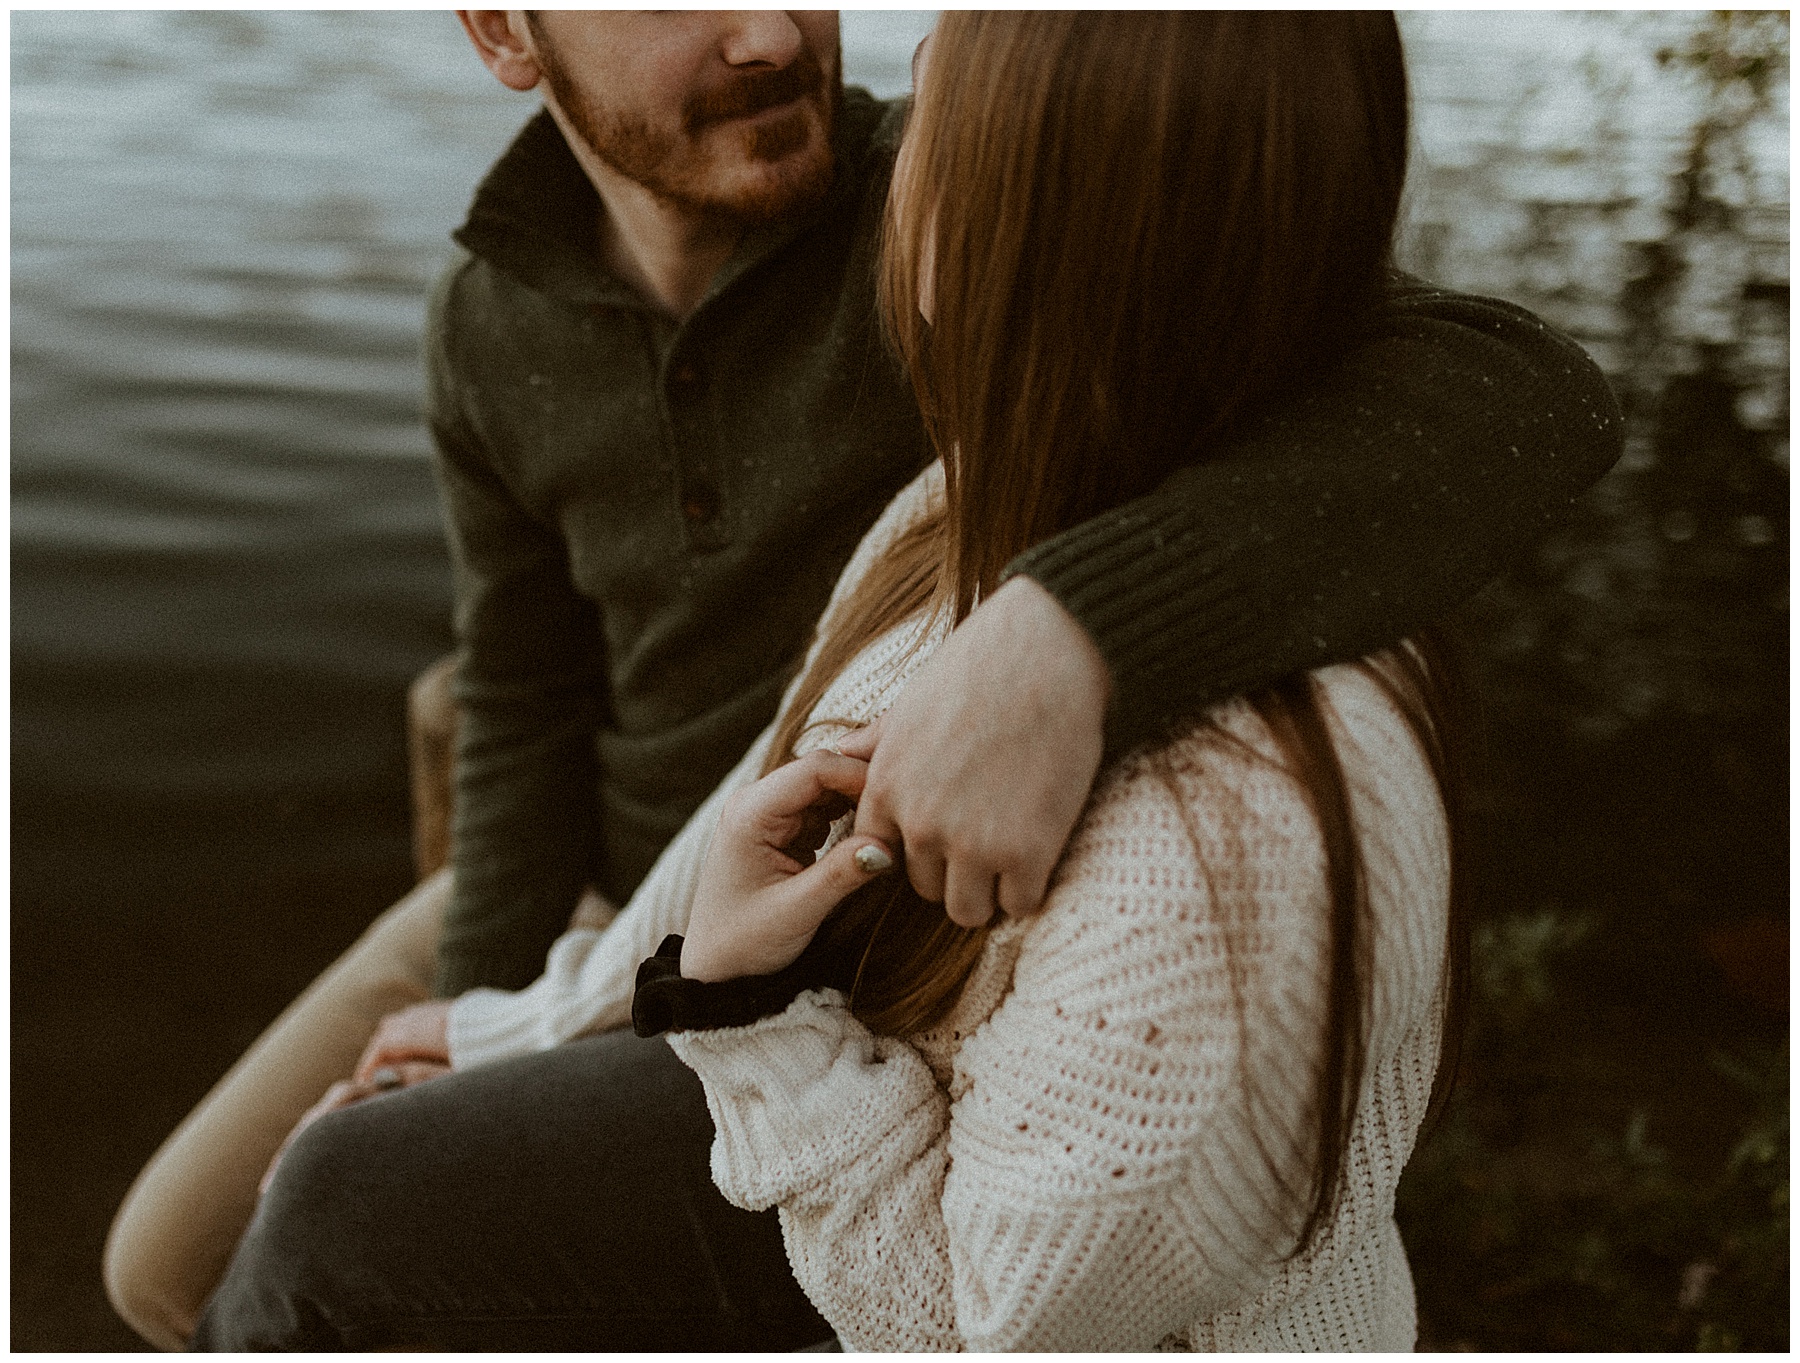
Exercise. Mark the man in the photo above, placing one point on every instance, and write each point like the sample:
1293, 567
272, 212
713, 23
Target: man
692, 401
658, 391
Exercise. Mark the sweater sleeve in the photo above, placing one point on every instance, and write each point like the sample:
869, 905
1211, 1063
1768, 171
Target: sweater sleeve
530, 690
1099, 1180
1343, 519
588, 978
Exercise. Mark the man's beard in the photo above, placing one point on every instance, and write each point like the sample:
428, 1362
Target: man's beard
673, 166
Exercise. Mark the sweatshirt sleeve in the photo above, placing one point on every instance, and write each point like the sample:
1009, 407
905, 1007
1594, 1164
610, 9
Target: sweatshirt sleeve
1097, 1181
587, 982
589, 975
1343, 519
530, 690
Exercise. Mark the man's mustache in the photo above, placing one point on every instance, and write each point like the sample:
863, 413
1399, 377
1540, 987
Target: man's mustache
751, 92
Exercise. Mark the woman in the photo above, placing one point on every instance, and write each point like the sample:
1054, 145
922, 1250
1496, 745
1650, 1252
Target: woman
1173, 1106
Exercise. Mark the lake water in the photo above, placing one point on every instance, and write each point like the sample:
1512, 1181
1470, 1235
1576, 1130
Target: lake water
227, 558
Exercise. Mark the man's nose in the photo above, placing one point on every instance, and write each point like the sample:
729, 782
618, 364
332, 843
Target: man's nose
760, 37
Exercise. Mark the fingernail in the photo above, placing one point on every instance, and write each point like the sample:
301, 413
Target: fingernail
871, 860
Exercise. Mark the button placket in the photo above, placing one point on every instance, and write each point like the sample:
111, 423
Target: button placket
699, 503
699, 498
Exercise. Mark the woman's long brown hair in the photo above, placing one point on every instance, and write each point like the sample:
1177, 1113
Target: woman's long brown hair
1139, 228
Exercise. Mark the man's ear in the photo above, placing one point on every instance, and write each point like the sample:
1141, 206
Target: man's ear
501, 40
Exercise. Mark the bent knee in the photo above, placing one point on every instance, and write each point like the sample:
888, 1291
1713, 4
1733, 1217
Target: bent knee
161, 1272
337, 1228
145, 1288
431, 701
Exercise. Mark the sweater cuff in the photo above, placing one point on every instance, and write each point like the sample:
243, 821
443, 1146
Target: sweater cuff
799, 1042
666, 1001
805, 1094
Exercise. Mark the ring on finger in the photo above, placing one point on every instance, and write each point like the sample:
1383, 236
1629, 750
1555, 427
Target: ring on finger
387, 1078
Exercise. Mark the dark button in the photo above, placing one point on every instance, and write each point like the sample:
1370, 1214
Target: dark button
684, 374
700, 503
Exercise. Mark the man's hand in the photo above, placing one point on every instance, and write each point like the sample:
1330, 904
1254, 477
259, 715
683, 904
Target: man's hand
981, 767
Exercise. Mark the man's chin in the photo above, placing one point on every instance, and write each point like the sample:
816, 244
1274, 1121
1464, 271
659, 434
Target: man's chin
763, 189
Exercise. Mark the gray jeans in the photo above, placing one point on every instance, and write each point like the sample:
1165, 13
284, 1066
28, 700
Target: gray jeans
557, 1202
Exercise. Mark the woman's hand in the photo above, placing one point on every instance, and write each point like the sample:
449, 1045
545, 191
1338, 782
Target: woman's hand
418, 1033
408, 1048
386, 1079
758, 904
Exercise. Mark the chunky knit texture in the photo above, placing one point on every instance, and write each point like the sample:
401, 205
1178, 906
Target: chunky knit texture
1106, 1144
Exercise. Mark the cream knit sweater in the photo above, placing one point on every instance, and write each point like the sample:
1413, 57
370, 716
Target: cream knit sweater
1091, 1151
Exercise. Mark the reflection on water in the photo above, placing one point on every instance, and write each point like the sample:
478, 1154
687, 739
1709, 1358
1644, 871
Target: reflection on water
226, 548
224, 538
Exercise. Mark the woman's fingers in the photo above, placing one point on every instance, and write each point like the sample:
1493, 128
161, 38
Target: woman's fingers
759, 901
421, 1032
813, 893
790, 789
774, 810
860, 743
755, 926
874, 821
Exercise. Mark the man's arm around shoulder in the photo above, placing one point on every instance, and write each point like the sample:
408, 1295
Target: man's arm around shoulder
1340, 522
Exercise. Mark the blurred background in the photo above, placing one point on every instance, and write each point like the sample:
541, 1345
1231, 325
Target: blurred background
227, 565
